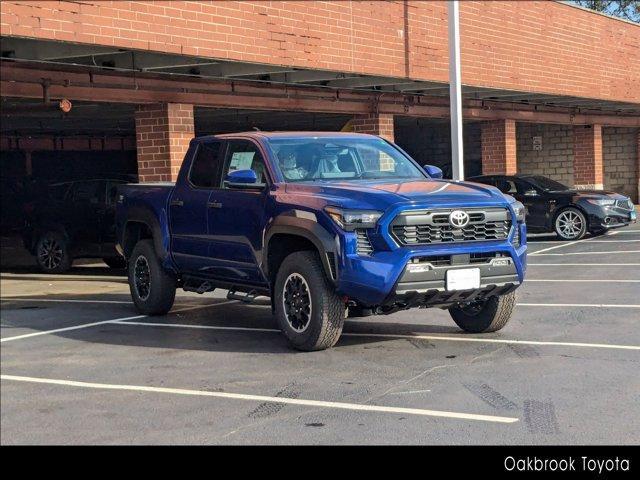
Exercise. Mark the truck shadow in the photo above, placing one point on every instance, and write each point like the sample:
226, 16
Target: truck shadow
232, 327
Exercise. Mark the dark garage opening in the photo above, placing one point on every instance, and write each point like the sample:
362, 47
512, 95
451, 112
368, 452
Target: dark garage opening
42, 146
428, 140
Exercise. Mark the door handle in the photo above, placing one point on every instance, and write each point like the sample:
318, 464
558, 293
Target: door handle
214, 204
176, 203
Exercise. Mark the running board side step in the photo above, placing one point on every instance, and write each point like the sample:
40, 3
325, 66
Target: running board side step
243, 297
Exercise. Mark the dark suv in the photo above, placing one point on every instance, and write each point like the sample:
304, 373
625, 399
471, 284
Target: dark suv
73, 220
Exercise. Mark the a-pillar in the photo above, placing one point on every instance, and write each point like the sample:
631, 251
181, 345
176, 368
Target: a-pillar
588, 170
498, 139
163, 133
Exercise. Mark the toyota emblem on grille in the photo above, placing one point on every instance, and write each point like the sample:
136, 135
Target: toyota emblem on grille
458, 219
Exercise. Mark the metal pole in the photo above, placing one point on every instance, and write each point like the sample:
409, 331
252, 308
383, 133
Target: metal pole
455, 91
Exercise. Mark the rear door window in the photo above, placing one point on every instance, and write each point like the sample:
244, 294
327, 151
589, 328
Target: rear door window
205, 171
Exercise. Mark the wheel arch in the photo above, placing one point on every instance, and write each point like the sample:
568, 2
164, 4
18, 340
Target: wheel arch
142, 223
288, 234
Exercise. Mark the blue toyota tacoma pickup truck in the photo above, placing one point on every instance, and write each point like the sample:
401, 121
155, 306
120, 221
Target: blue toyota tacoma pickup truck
328, 225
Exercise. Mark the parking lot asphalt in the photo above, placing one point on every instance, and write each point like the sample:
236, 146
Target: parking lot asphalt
80, 366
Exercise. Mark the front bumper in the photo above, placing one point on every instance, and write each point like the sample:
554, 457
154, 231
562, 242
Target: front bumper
384, 279
608, 217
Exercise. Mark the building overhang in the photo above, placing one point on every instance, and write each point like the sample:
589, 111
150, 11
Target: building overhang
94, 73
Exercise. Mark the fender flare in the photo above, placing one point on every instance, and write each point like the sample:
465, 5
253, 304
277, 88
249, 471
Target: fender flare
160, 235
310, 230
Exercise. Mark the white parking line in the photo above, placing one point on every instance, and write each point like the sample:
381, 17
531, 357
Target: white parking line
595, 305
66, 329
529, 280
22, 298
40, 276
613, 252
558, 246
583, 264
93, 324
391, 335
267, 399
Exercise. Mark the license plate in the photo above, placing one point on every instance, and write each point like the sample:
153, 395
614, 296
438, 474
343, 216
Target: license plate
633, 216
463, 279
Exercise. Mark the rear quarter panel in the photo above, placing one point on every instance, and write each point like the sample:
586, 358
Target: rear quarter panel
146, 203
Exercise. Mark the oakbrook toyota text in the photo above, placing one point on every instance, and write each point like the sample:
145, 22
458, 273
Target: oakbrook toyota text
569, 464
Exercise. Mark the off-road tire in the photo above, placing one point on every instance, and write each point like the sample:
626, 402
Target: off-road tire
61, 261
115, 262
161, 286
327, 309
492, 316
575, 212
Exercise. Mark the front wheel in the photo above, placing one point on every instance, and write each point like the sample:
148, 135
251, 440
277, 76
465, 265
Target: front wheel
153, 290
570, 224
308, 310
484, 316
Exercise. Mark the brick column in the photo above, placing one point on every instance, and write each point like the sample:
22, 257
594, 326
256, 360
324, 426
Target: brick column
375, 124
498, 139
588, 171
163, 133
638, 160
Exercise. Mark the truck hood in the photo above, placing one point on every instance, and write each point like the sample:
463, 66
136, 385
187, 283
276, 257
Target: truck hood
380, 195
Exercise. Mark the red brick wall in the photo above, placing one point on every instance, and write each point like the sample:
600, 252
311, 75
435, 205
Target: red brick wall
499, 147
163, 133
534, 46
374, 124
588, 171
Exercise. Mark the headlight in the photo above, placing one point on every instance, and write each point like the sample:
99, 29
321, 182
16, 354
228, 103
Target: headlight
601, 202
519, 210
351, 219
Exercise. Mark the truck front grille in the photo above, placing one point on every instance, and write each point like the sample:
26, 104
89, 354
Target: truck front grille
432, 226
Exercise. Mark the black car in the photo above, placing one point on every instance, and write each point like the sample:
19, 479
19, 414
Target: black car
72, 220
554, 207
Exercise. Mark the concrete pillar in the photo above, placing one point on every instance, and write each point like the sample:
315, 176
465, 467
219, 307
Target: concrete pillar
163, 133
498, 139
375, 124
588, 170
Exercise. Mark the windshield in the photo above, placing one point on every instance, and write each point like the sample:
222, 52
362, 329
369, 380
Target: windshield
547, 184
339, 158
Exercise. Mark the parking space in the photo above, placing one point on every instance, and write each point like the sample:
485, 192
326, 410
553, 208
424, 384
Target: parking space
79, 365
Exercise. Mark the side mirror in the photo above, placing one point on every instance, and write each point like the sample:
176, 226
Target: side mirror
243, 179
531, 193
433, 171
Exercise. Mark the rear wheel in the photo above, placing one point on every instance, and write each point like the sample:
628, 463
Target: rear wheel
570, 224
484, 316
307, 308
52, 253
153, 289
